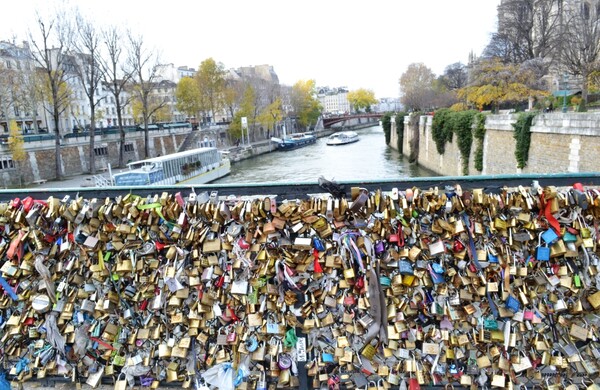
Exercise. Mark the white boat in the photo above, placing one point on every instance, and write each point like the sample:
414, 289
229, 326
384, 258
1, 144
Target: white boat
196, 166
342, 138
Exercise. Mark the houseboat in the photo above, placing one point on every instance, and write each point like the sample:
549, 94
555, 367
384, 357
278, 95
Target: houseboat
294, 141
196, 166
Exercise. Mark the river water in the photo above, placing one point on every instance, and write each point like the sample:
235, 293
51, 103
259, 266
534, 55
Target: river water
368, 159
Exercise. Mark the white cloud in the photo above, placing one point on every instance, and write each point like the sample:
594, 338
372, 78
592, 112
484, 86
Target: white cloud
360, 44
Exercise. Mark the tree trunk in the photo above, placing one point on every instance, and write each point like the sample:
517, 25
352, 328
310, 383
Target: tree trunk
92, 136
121, 133
146, 138
57, 159
584, 87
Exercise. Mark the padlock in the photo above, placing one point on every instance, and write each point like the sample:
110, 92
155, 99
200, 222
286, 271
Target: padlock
542, 253
261, 384
231, 336
549, 236
498, 381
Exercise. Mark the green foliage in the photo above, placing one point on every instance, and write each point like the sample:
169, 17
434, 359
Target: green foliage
400, 129
413, 127
235, 127
386, 123
479, 135
446, 122
522, 135
462, 124
441, 130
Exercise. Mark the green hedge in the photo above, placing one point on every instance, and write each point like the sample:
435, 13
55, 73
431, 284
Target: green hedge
386, 123
446, 123
400, 130
522, 135
479, 135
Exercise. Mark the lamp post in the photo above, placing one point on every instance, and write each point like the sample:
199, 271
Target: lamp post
564, 107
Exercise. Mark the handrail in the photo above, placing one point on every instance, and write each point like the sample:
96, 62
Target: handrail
300, 190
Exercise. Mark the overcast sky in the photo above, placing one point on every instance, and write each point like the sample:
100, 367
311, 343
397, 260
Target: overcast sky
358, 44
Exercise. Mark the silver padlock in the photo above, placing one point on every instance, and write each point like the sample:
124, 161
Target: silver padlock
262, 383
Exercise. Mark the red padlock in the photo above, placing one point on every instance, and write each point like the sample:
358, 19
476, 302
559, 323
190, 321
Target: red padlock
413, 384
359, 283
27, 203
15, 203
458, 246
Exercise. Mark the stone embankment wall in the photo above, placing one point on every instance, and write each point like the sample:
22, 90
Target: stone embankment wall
39, 163
560, 143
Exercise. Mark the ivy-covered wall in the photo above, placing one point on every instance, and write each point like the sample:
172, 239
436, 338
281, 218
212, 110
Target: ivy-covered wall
558, 143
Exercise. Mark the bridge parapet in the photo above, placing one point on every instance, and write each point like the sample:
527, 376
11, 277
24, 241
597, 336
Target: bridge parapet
190, 270
329, 121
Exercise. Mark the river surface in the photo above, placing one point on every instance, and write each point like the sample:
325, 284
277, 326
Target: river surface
368, 159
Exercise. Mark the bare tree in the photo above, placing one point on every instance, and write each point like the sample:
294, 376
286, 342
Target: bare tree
260, 88
31, 95
117, 75
527, 29
50, 52
417, 87
147, 73
89, 73
455, 76
581, 47
7, 93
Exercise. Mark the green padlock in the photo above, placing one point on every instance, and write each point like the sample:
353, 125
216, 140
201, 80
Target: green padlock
576, 280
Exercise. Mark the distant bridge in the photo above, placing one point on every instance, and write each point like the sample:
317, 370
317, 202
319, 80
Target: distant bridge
328, 122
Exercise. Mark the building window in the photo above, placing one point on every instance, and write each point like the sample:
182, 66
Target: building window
128, 147
101, 151
7, 163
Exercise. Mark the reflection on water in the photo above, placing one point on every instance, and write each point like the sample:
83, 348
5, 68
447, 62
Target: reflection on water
368, 159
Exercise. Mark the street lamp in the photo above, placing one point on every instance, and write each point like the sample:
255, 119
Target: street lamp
564, 107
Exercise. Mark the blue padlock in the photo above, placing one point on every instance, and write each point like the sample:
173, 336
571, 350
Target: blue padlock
549, 236
492, 258
513, 304
542, 253
318, 244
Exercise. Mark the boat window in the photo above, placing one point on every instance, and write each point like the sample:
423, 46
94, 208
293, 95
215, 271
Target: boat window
168, 168
156, 176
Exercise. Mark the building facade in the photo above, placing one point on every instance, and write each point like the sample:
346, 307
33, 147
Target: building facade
334, 100
19, 98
